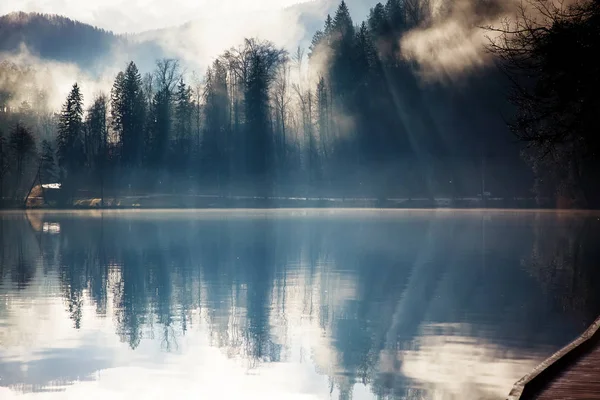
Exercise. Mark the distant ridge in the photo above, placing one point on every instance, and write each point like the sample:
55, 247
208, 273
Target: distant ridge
58, 38
55, 37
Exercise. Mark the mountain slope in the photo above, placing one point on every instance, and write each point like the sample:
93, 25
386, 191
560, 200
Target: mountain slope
196, 42
58, 38
55, 37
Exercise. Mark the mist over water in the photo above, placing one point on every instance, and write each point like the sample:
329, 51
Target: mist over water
288, 304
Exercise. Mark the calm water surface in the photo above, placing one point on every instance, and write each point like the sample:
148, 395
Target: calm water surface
288, 304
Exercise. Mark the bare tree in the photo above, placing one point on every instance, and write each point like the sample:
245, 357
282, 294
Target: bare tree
167, 74
547, 51
281, 100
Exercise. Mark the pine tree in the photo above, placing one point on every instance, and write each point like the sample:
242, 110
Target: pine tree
342, 22
22, 145
365, 54
48, 172
4, 165
70, 132
160, 123
96, 131
397, 15
328, 26
214, 149
128, 111
379, 24
323, 114
316, 43
183, 123
342, 66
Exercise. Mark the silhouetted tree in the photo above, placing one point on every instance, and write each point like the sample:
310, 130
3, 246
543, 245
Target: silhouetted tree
166, 76
4, 164
70, 133
255, 65
183, 126
127, 109
215, 152
548, 57
96, 132
48, 171
22, 145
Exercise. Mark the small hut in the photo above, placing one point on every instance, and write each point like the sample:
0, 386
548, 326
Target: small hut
45, 194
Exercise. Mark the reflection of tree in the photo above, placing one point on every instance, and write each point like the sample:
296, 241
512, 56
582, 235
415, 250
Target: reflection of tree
98, 272
257, 269
561, 260
366, 286
18, 250
130, 298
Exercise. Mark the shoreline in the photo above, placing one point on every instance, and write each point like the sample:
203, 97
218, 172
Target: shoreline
168, 201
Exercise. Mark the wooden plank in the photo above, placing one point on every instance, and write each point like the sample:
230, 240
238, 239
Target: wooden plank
571, 373
579, 381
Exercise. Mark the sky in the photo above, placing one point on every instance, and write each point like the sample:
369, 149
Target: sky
130, 16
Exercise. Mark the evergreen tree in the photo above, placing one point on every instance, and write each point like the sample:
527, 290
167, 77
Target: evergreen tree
379, 24
316, 43
183, 124
160, 123
70, 132
127, 110
328, 26
22, 145
4, 164
214, 151
48, 172
166, 76
96, 132
342, 68
397, 15
323, 114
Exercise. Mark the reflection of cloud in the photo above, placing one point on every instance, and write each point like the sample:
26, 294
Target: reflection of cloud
197, 372
36, 333
463, 367
38, 344
35, 319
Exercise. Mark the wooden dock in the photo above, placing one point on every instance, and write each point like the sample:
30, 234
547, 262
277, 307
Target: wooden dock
570, 374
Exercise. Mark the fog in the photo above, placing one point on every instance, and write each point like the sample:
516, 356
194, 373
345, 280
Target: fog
195, 33
454, 43
138, 16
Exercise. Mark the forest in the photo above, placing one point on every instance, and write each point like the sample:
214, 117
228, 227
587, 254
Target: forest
345, 117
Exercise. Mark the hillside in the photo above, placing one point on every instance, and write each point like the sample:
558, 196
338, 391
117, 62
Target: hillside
59, 38
56, 37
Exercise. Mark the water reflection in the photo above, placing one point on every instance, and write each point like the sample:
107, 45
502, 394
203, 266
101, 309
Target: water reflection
288, 304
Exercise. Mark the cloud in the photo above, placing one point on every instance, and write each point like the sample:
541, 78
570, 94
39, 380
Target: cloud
199, 42
219, 26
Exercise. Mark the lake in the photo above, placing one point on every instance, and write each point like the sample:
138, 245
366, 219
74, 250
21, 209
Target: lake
289, 304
